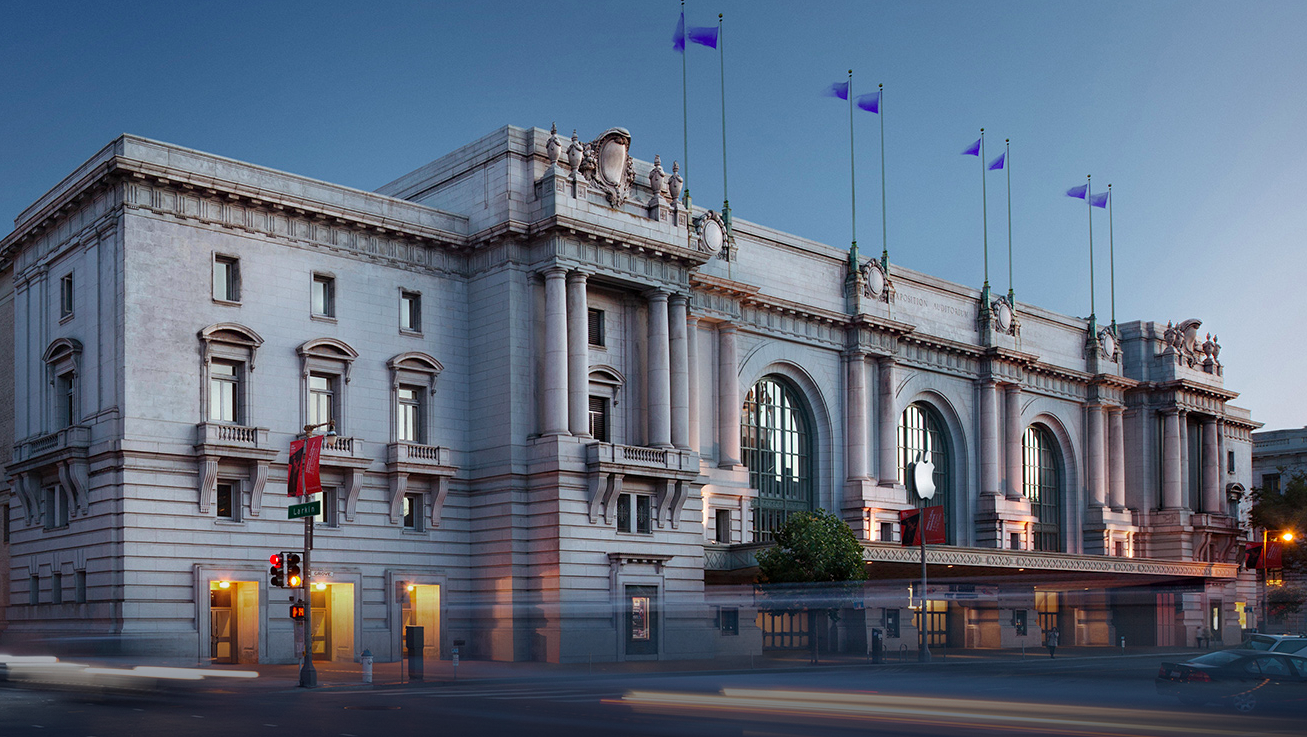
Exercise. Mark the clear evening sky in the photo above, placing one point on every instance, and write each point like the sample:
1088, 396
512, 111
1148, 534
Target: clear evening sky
1193, 111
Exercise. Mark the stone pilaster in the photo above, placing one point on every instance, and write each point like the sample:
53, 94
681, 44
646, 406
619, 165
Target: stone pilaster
1171, 459
1116, 458
578, 356
1095, 475
553, 390
1013, 430
680, 372
887, 424
989, 483
856, 417
728, 398
659, 372
692, 382
1211, 469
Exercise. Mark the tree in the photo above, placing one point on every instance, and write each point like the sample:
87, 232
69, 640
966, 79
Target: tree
1285, 510
814, 566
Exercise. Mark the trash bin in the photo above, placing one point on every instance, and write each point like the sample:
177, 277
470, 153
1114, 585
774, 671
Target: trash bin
877, 646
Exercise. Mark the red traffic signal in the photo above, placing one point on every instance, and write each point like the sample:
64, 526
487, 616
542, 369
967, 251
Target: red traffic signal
275, 560
277, 573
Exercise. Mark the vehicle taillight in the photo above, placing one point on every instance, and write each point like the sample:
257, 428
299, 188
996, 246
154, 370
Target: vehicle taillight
1161, 672
1197, 676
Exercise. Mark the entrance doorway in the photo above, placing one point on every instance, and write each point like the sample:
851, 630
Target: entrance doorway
641, 620
333, 621
937, 621
421, 608
1048, 604
234, 622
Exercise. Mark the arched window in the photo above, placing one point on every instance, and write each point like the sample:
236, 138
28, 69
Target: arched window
1042, 484
776, 441
922, 435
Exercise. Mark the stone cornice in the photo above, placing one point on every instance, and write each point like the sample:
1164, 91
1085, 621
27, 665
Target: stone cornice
619, 239
718, 285
1018, 559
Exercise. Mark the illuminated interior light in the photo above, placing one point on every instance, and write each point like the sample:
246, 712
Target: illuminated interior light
320, 586
224, 584
411, 588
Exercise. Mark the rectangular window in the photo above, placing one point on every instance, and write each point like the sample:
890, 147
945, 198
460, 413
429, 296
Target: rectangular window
887, 532
224, 391
1120, 549
57, 588
322, 399
635, 513
1271, 483
226, 279
56, 508
1019, 621
228, 502
413, 512
79, 586
728, 618
4, 510
596, 325
1229, 461
1015, 539
324, 296
410, 311
328, 517
34, 590
65, 401
66, 296
599, 418
409, 414
892, 623
723, 522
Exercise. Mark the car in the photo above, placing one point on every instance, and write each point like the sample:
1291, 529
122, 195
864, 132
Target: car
1243, 679
1276, 643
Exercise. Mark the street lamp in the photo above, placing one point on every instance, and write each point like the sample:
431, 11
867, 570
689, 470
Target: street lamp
1285, 536
308, 674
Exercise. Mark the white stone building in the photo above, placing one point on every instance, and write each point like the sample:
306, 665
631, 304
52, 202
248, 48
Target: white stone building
569, 411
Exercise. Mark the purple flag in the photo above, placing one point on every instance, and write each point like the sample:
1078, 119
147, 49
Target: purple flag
1080, 191
839, 89
705, 36
973, 149
870, 103
998, 163
1098, 200
678, 40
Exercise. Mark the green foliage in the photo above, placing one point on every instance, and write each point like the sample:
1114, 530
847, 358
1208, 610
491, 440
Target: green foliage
1284, 600
812, 547
1285, 511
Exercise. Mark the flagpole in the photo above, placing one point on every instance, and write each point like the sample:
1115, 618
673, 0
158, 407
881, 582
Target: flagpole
884, 214
726, 198
984, 218
1007, 164
1089, 207
685, 109
1111, 257
853, 187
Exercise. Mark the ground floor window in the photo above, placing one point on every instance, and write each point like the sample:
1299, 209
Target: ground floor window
641, 620
1046, 603
936, 622
784, 630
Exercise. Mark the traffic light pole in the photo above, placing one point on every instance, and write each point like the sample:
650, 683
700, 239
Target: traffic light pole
308, 674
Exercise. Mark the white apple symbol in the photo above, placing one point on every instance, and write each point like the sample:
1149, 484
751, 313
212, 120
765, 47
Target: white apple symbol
923, 477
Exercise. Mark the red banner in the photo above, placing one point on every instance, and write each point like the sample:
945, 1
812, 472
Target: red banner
302, 476
1274, 557
929, 519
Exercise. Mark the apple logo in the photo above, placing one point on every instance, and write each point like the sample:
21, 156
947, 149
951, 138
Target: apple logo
923, 476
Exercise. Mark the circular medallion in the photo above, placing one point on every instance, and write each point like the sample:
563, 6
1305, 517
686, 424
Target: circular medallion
713, 235
612, 161
1109, 343
875, 282
1003, 314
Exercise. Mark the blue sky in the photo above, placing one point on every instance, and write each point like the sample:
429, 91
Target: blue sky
1192, 110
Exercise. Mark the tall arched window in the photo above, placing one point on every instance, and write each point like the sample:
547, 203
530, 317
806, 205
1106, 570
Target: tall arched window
922, 434
776, 442
1042, 483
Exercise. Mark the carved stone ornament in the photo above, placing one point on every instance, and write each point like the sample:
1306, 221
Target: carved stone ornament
710, 232
554, 147
675, 184
657, 179
575, 152
1107, 342
1180, 343
608, 165
1005, 316
876, 283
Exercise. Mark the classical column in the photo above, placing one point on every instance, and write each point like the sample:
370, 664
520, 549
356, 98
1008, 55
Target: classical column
680, 372
988, 438
1116, 457
553, 390
1211, 469
659, 372
728, 398
692, 388
1187, 500
1097, 487
887, 426
856, 414
578, 356
1170, 459
1012, 466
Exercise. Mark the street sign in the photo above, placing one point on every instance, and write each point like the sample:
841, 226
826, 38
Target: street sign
308, 509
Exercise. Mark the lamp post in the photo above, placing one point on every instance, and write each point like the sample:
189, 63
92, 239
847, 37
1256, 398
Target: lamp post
1285, 536
308, 674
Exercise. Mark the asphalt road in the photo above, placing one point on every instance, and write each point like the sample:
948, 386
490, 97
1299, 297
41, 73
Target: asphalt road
1091, 697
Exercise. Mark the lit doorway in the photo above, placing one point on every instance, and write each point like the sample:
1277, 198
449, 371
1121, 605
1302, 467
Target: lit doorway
937, 621
333, 621
234, 622
421, 608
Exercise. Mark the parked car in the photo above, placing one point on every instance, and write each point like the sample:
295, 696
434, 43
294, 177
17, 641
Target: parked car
1243, 679
1276, 643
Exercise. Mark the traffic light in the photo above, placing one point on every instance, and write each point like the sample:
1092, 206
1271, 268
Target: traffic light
277, 572
294, 576
297, 611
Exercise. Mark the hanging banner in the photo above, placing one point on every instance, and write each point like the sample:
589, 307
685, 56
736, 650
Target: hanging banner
1271, 557
914, 521
302, 476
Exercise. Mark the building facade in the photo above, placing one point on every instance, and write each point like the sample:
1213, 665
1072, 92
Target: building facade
569, 409
1279, 455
